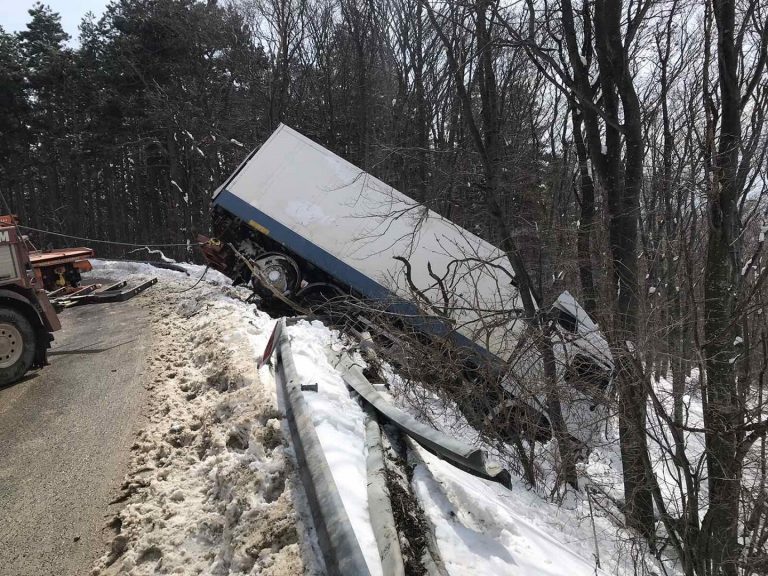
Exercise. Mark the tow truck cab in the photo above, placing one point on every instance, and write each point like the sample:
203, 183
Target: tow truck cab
27, 318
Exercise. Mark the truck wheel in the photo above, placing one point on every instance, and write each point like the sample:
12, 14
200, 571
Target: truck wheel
280, 271
17, 345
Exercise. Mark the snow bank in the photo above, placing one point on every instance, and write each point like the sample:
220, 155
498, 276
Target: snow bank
209, 490
124, 270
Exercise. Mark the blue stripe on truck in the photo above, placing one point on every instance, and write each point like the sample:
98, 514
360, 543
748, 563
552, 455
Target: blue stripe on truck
301, 246
341, 270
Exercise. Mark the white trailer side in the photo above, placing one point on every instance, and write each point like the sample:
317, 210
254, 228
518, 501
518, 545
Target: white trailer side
357, 229
354, 227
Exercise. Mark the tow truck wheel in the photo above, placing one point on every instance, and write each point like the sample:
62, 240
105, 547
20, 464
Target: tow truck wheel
17, 345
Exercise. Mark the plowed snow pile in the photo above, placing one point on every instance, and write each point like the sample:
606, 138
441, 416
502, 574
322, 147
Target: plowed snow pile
209, 491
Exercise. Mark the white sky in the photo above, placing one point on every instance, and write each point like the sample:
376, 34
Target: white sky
14, 14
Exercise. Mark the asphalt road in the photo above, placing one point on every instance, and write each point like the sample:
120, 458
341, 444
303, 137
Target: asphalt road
65, 437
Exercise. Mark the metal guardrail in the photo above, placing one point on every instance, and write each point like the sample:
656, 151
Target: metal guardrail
338, 543
380, 503
337, 540
459, 453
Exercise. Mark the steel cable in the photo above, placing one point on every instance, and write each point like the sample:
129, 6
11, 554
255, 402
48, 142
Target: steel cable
141, 245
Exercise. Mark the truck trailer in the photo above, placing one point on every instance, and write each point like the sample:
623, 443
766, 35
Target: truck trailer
312, 225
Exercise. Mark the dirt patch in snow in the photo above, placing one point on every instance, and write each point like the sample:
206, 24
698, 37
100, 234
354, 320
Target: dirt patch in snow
410, 522
210, 491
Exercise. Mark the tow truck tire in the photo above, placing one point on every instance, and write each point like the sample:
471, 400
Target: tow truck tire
17, 345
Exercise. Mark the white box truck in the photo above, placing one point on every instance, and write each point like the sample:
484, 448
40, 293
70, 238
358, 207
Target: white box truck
316, 225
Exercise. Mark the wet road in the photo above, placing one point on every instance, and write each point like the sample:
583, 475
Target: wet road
65, 437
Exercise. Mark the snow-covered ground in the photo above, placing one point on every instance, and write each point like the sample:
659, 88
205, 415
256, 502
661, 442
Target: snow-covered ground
212, 490
480, 527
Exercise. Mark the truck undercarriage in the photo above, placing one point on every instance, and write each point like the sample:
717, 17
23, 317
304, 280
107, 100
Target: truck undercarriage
240, 249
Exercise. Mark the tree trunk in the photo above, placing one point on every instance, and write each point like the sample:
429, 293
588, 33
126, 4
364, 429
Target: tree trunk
621, 179
586, 219
722, 412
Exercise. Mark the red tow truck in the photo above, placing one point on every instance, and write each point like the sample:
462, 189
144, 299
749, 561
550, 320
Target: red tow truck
27, 318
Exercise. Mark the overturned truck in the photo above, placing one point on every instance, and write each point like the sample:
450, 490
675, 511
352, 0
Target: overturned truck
301, 225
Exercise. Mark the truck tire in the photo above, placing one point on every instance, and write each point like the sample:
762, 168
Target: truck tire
281, 271
18, 343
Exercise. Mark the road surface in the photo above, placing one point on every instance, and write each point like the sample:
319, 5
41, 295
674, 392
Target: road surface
65, 437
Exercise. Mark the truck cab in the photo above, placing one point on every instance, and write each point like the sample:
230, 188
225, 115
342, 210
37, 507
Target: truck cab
27, 318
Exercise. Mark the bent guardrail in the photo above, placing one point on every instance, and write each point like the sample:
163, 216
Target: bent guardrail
459, 453
338, 543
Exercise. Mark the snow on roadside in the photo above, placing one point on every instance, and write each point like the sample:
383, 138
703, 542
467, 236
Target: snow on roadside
480, 527
209, 490
483, 528
125, 270
212, 493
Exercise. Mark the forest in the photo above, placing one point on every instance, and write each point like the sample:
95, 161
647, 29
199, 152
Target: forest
616, 149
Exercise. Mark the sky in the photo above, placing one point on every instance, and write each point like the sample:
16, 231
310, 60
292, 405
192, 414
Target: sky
14, 14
